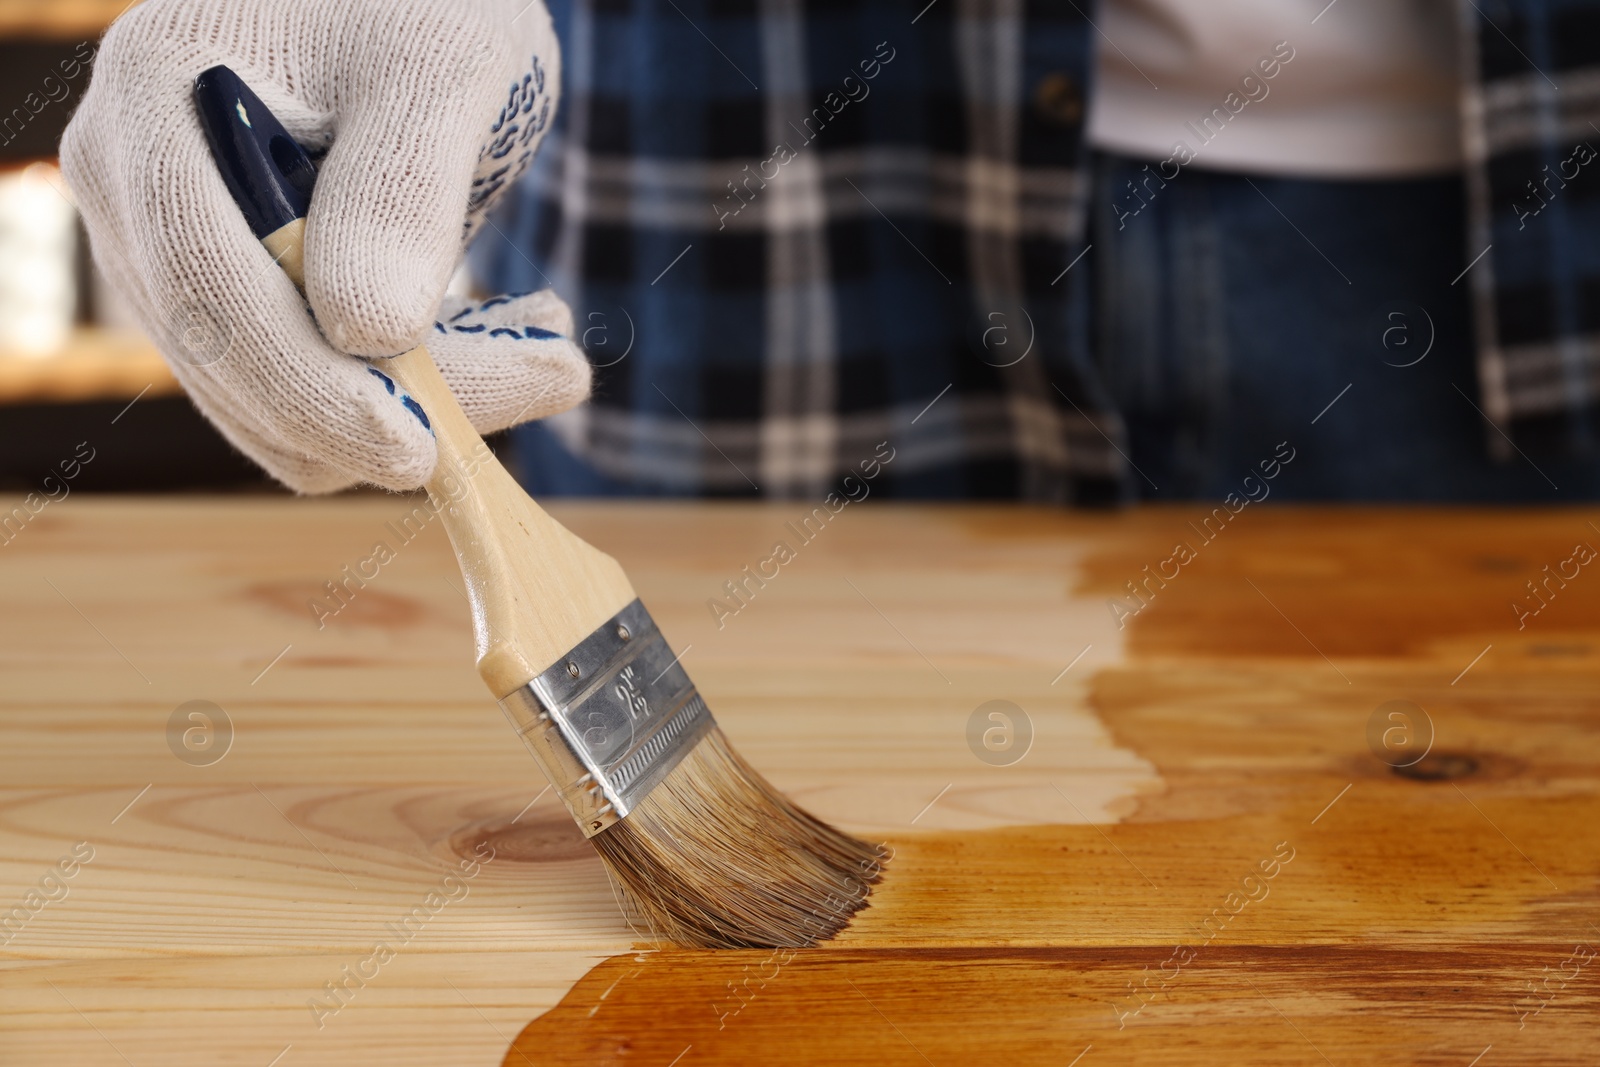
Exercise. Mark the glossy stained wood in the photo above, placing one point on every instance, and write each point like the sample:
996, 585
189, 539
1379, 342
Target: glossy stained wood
1288, 897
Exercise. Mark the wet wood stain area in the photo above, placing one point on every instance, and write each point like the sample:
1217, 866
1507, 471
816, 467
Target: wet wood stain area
1302, 889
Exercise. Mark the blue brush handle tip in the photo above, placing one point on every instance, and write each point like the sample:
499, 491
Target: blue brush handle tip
266, 170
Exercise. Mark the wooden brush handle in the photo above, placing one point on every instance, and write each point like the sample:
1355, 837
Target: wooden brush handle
536, 588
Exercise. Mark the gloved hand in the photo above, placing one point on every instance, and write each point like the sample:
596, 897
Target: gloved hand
426, 110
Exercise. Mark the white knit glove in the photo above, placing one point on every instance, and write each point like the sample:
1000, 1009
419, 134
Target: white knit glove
427, 110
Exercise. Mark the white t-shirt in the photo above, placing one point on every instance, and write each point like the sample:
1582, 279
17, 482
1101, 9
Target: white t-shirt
1369, 89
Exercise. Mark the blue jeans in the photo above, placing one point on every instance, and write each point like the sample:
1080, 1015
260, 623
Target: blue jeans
1235, 314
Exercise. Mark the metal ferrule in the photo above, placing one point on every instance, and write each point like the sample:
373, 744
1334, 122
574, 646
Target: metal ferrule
610, 719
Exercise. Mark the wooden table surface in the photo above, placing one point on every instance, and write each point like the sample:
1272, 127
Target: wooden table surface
1206, 853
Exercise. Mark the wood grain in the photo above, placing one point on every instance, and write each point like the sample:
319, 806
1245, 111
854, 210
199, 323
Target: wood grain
368, 759
1288, 897
367, 762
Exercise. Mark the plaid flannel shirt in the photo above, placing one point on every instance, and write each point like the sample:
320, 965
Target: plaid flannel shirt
1531, 128
793, 231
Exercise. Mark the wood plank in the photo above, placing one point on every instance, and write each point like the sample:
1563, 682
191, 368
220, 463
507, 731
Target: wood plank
429, 1006
1251, 1004
367, 759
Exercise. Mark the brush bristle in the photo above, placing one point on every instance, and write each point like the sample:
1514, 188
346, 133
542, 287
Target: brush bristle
715, 857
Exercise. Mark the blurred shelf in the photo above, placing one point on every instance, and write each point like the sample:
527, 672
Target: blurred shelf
58, 18
95, 365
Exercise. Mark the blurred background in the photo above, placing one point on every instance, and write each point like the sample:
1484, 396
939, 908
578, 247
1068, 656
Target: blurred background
71, 356
1362, 273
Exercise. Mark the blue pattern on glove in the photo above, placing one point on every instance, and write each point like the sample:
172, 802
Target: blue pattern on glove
525, 115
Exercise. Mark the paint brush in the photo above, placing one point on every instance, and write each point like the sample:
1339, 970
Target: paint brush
705, 851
